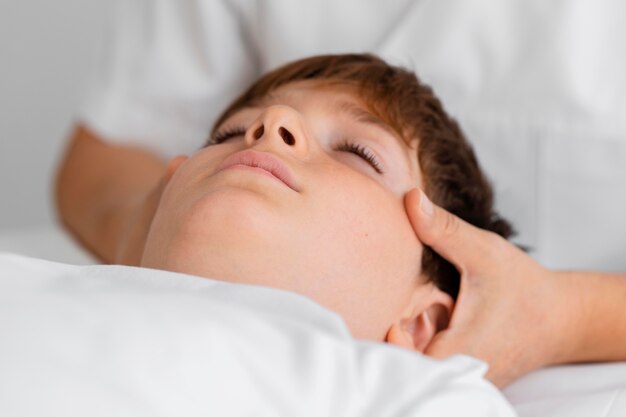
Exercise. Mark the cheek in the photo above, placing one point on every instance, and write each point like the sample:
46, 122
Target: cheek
359, 213
369, 243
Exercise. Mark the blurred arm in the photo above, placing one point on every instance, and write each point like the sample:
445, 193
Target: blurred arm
599, 309
97, 187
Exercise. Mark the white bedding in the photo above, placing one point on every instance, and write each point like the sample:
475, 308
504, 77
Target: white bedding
597, 390
565, 391
116, 341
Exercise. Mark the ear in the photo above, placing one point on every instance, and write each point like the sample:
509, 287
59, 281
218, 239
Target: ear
428, 314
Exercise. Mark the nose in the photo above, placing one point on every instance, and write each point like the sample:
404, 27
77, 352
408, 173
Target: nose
280, 127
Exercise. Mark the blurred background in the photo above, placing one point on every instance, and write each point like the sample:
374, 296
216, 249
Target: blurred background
48, 51
538, 87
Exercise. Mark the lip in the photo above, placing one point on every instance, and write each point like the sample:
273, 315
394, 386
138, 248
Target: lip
264, 161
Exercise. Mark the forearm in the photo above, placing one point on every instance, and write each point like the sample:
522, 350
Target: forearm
596, 315
97, 186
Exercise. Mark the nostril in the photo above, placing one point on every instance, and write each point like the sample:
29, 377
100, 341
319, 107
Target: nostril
286, 135
259, 132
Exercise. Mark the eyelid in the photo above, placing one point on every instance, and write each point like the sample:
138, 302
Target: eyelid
226, 133
364, 152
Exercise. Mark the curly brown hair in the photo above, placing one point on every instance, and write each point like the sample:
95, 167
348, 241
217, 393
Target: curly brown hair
452, 176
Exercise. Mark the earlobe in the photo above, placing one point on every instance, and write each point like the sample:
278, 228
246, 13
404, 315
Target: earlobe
430, 315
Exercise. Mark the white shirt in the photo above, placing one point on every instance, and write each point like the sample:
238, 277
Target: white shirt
538, 86
109, 340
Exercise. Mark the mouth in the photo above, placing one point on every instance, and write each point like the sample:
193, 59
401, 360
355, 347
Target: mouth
263, 163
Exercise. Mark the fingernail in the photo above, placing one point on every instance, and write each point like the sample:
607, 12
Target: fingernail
426, 205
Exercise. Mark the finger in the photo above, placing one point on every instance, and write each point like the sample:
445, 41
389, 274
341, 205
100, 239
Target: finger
173, 165
459, 242
170, 170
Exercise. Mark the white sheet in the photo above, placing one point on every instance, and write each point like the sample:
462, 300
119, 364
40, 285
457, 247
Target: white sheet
590, 390
115, 341
572, 391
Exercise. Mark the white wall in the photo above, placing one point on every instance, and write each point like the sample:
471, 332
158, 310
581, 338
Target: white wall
48, 50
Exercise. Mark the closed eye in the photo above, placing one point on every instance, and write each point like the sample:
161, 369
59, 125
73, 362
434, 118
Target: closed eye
225, 134
362, 152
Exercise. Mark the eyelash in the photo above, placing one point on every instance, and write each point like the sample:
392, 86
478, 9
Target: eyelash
226, 134
345, 146
361, 151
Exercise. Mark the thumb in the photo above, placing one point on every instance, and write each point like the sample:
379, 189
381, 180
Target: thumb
152, 200
170, 170
459, 242
172, 167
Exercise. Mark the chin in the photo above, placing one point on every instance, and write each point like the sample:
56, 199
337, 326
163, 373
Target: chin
223, 223
232, 209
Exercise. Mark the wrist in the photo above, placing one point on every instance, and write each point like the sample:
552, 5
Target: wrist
570, 316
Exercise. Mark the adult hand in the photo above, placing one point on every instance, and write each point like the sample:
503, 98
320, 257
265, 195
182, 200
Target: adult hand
511, 312
134, 220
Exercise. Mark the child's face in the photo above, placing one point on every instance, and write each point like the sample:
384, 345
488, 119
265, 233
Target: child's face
341, 237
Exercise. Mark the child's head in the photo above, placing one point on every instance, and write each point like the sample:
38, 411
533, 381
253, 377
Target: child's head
348, 135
